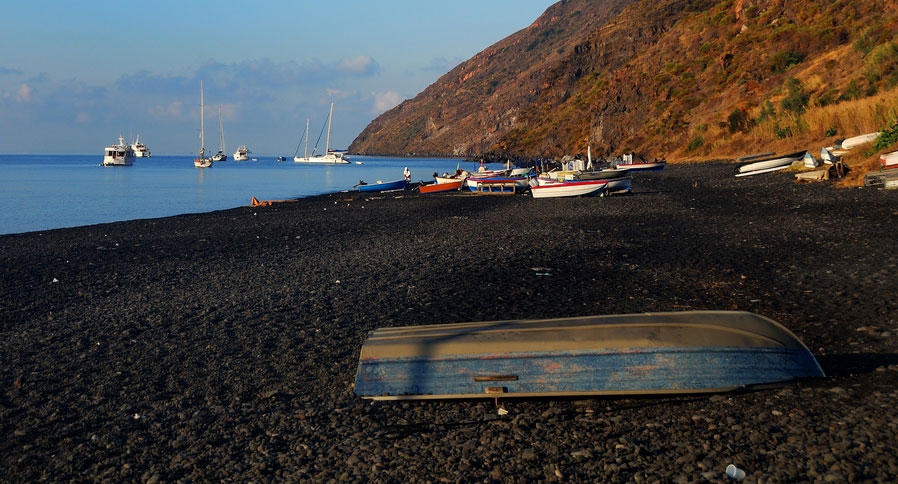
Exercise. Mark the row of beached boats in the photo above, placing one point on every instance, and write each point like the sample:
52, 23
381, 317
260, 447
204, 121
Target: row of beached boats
770, 162
575, 178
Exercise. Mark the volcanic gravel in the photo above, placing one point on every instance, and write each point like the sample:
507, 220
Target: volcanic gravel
222, 347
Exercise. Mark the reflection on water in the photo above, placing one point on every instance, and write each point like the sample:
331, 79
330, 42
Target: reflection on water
51, 191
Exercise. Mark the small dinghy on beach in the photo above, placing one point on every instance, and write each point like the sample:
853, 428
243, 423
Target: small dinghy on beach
382, 186
856, 141
768, 165
650, 353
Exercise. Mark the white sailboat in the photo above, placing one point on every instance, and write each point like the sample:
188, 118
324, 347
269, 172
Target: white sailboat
221, 155
329, 157
202, 161
303, 159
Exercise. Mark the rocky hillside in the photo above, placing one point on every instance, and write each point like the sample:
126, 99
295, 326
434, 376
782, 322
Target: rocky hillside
658, 77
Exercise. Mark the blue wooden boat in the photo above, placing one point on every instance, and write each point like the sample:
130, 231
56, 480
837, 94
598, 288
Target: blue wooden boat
652, 353
382, 186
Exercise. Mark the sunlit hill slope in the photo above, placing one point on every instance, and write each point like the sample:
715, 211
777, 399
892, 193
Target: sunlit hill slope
679, 78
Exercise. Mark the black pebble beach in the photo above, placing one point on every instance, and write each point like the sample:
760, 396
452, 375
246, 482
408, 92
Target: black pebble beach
222, 347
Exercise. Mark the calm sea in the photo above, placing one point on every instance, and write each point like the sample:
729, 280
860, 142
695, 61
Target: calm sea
43, 192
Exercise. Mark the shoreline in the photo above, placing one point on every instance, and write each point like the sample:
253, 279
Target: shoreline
223, 345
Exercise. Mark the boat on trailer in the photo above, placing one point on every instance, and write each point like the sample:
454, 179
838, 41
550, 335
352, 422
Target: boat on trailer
504, 184
630, 354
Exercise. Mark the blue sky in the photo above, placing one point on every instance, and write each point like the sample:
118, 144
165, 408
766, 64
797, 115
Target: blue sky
75, 74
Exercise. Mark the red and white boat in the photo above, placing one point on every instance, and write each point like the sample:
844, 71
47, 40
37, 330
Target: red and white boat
447, 178
628, 163
441, 186
889, 160
589, 188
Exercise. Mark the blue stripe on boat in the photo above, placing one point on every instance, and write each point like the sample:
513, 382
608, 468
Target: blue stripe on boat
631, 370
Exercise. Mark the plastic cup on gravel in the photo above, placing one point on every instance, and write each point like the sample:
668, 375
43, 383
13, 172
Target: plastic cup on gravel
735, 472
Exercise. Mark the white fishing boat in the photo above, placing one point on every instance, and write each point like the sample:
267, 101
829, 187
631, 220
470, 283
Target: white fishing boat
242, 154
589, 188
202, 161
331, 157
221, 155
140, 149
768, 165
119, 154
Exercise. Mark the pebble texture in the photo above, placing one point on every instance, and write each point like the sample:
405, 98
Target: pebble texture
222, 347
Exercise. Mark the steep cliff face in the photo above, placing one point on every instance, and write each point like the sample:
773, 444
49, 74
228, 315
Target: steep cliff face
469, 109
643, 75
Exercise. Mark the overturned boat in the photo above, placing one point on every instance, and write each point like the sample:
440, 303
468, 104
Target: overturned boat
651, 353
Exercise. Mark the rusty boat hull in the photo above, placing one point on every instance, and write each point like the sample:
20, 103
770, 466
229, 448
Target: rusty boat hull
632, 354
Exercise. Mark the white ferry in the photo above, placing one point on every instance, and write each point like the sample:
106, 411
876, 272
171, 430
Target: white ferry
242, 154
140, 149
118, 155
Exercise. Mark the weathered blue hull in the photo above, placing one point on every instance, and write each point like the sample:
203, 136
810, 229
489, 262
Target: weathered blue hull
384, 186
430, 362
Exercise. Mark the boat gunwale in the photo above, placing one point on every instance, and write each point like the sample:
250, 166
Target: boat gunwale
636, 320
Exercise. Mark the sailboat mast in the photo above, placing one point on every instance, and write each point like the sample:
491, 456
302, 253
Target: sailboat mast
327, 144
307, 138
221, 144
202, 123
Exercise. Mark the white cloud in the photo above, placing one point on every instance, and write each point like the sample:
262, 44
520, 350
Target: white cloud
24, 93
385, 100
360, 66
171, 110
339, 93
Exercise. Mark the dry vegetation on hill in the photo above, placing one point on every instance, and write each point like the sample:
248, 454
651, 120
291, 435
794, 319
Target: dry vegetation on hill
688, 79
